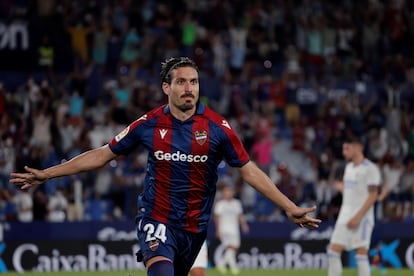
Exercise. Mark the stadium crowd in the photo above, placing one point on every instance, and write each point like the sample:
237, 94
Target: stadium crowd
293, 77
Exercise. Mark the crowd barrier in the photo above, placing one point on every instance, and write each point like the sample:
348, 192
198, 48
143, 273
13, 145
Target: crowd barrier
106, 246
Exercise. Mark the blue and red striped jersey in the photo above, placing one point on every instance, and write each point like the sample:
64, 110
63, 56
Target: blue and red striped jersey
180, 183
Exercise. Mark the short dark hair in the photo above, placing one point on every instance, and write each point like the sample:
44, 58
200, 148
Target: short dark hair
354, 139
173, 63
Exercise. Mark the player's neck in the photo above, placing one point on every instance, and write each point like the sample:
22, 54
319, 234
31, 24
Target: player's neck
358, 159
182, 115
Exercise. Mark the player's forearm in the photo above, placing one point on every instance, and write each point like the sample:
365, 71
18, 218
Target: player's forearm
217, 223
367, 205
263, 184
243, 223
86, 161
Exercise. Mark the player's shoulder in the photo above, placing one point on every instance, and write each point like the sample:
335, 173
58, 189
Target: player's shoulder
156, 112
371, 167
370, 164
217, 119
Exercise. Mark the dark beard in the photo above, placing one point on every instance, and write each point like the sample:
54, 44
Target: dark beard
185, 107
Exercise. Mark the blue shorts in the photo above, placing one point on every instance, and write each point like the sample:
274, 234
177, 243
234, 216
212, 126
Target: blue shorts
159, 239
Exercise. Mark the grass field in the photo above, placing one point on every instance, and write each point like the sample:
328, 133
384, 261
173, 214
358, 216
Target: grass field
213, 272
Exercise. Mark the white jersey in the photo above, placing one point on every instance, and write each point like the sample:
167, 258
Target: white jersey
356, 180
229, 212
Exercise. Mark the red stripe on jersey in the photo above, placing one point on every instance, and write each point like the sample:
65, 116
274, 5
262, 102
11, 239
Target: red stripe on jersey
162, 141
200, 144
231, 134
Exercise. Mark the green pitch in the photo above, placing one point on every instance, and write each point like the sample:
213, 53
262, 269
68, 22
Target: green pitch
213, 272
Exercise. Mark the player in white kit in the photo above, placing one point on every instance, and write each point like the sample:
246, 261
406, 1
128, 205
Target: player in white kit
355, 222
228, 215
201, 262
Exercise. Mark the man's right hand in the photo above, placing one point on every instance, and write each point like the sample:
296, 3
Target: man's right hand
30, 178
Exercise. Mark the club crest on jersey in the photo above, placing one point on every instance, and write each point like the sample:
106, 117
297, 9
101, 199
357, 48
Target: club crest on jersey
153, 245
200, 136
122, 134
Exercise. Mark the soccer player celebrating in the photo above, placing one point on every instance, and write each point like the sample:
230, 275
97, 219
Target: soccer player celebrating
355, 223
185, 141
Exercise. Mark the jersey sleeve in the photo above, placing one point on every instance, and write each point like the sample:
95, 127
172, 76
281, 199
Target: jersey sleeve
127, 140
239, 207
374, 176
234, 152
218, 208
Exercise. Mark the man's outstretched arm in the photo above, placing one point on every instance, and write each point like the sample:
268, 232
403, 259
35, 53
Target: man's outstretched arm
263, 184
86, 161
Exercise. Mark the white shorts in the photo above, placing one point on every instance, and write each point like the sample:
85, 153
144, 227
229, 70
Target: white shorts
202, 257
355, 238
230, 239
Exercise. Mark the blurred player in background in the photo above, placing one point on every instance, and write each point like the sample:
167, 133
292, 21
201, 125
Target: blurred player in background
185, 141
229, 218
201, 262
355, 223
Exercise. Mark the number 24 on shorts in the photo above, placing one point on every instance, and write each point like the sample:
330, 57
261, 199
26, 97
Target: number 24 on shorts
155, 232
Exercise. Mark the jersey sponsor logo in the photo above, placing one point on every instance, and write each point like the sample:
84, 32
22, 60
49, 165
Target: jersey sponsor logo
201, 136
179, 156
163, 132
122, 134
226, 124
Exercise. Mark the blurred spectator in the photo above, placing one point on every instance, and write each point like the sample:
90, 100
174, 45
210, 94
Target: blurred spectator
102, 183
392, 171
75, 207
70, 132
130, 50
99, 112
7, 159
99, 134
7, 206
261, 151
42, 120
371, 35
24, 205
46, 54
127, 182
220, 55
377, 144
57, 206
101, 34
238, 48
40, 202
3, 206
79, 32
406, 203
77, 105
